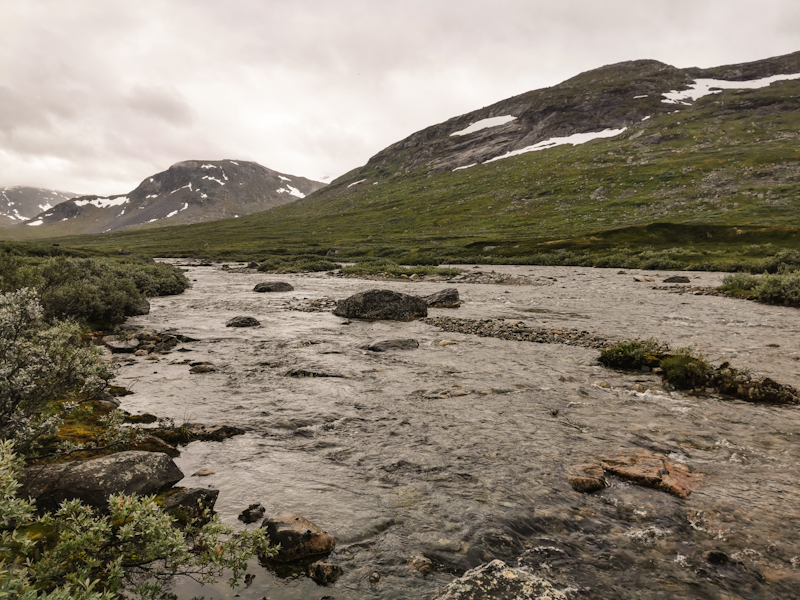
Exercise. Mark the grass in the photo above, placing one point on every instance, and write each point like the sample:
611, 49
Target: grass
778, 288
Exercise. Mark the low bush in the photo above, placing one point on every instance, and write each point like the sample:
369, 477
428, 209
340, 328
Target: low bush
279, 264
633, 354
391, 269
778, 288
686, 370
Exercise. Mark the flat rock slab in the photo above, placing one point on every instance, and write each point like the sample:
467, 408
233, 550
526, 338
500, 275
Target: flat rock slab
243, 322
587, 478
498, 581
652, 470
382, 304
123, 346
386, 345
297, 536
274, 286
93, 481
447, 298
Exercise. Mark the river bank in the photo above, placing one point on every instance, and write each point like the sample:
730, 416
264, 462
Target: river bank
460, 450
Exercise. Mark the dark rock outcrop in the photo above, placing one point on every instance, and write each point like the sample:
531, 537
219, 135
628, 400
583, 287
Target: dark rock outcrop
382, 304
297, 536
324, 573
496, 580
243, 322
252, 513
190, 432
93, 481
273, 286
386, 345
677, 279
447, 298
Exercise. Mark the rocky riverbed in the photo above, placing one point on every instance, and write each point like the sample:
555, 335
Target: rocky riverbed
428, 461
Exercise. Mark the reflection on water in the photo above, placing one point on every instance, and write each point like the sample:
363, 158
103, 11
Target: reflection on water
459, 452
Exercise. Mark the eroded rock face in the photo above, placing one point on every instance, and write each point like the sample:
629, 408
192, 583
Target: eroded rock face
495, 581
297, 536
386, 345
93, 481
382, 304
243, 322
274, 286
447, 298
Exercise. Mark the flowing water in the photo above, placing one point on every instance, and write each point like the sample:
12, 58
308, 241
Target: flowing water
459, 452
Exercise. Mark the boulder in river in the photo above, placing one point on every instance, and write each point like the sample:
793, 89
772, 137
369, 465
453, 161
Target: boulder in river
252, 513
382, 304
386, 345
190, 432
497, 580
274, 286
677, 279
93, 481
587, 478
447, 298
324, 573
243, 322
297, 536
652, 470
186, 504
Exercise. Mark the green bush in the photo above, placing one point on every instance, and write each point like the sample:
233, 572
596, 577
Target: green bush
276, 264
779, 288
633, 354
686, 370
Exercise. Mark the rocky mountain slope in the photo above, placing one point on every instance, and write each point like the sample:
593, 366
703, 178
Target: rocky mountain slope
188, 192
20, 203
638, 157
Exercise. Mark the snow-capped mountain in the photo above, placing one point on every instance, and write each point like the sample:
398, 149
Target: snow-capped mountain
188, 192
20, 203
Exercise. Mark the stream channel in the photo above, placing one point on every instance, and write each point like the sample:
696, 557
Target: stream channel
459, 451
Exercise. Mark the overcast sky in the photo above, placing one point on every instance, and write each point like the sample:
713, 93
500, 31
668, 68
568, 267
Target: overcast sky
96, 95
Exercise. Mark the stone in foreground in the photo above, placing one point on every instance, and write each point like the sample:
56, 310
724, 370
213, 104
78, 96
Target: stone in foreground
297, 536
652, 470
243, 322
497, 581
382, 304
123, 346
587, 478
273, 286
447, 298
93, 481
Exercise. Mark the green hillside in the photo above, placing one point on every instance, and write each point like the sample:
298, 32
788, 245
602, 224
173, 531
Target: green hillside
714, 184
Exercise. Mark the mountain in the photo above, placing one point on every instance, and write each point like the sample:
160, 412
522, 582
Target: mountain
21, 203
679, 166
191, 191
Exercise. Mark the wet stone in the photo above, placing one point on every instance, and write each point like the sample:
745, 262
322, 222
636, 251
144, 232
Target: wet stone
382, 304
123, 346
324, 573
497, 580
677, 279
273, 286
297, 536
387, 345
652, 470
243, 322
252, 513
587, 478
447, 298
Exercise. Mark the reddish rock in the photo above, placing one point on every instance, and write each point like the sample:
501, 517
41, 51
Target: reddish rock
587, 478
652, 470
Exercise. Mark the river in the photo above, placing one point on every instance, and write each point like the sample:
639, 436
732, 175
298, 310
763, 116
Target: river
459, 451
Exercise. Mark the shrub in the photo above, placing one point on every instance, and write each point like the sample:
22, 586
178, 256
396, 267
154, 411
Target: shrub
686, 370
633, 354
40, 363
296, 265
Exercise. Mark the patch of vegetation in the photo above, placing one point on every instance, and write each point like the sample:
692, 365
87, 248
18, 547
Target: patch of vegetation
296, 264
685, 369
98, 291
633, 354
778, 288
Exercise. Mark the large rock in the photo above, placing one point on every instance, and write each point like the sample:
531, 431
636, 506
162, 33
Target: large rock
677, 279
273, 286
243, 322
497, 581
652, 470
447, 298
297, 536
386, 345
382, 304
93, 481
123, 346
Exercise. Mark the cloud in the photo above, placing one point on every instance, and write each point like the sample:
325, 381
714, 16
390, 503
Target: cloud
96, 96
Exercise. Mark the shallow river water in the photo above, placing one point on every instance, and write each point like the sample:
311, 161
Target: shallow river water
460, 452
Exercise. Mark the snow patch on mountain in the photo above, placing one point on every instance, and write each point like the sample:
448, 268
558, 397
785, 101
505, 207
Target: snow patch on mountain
484, 124
103, 202
704, 87
574, 139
